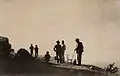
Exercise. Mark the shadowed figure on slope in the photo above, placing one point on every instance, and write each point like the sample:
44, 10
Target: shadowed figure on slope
63, 51
31, 49
57, 49
79, 50
36, 51
47, 56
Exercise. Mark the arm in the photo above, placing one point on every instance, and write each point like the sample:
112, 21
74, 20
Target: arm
54, 48
64, 47
82, 46
75, 49
49, 56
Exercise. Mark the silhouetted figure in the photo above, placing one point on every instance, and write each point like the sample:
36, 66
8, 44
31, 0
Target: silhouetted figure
79, 51
47, 56
58, 49
36, 51
63, 51
31, 49
74, 62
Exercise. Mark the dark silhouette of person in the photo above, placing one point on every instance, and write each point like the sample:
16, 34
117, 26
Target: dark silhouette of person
36, 51
63, 51
47, 56
79, 50
31, 49
74, 62
58, 49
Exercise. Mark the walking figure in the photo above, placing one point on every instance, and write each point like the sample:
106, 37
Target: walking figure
63, 51
36, 51
58, 49
31, 49
47, 56
79, 51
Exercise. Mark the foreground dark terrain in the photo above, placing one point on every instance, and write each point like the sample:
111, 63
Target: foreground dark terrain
36, 67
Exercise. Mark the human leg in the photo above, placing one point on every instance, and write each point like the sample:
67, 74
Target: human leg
60, 56
57, 54
79, 59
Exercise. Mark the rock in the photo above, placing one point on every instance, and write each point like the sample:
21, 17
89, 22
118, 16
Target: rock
23, 54
5, 47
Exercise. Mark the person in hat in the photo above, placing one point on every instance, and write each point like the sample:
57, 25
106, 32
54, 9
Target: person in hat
79, 50
57, 48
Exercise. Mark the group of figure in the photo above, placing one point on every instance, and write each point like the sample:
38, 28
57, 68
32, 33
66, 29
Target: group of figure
34, 49
60, 50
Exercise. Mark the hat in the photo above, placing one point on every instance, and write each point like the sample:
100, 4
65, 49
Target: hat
77, 39
58, 41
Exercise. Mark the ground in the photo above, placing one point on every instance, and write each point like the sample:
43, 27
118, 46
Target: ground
37, 67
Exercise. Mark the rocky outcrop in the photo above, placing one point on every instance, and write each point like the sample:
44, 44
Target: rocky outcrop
5, 47
23, 54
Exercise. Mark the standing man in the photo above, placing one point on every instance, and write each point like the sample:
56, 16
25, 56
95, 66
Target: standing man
79, 50
31, 49
57, 48
36, 51
63, 51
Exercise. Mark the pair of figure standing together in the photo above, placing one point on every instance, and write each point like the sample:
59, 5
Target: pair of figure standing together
60, 50
34, 48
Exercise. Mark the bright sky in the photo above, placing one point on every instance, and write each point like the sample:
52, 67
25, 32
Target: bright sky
42, 22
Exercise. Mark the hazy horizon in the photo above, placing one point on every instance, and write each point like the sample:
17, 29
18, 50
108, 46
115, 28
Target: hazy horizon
42, 22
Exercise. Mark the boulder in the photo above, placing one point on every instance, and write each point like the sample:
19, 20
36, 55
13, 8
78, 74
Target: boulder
5, 47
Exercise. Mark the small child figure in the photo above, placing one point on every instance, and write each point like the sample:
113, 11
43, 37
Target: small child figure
47, 56
74, 62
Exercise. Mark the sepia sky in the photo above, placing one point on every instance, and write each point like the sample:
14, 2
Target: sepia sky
42, 22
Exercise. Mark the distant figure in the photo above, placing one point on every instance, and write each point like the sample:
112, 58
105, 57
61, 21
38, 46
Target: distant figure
74, 62
36, 51
79, 51
47, 56
58, 49
31, 49
63, 51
